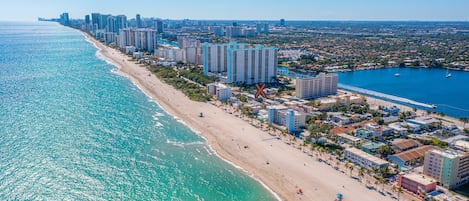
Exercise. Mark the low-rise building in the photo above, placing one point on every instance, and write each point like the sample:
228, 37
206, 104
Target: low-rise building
398, 127
461, 145
364, 159
130, 49
221, 91
345, 129
289, 118
137, 55
449, 167
341, 120
371, 147
423, 121
394, 110
364, 133
400, 145
326, 103
416, 184
378, 130
410, 157
349, 139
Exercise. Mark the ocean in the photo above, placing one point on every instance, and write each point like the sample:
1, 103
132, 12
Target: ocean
425, 85
73, 129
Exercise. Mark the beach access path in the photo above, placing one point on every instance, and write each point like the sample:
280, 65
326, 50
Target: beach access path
235, 140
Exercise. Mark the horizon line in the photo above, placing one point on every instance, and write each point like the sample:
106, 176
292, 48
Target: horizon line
286, 20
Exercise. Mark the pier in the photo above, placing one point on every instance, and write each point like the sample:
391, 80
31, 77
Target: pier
385, 96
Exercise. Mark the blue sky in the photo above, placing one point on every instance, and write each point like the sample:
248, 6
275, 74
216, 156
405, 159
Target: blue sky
29, 10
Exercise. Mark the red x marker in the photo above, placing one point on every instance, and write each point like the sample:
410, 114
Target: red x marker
260, 90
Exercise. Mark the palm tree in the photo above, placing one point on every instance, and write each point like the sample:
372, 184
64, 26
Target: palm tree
283, 134
382, 181
374, 170
361, 173
351, 169
312, 148
303, 145
399, 191
293, 140
339, 153
321, 152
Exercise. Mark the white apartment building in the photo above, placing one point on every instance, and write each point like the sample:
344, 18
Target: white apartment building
142, 39
215, 56
289, 118
170, 53
319, 86
252, 65
221, 91
364, 159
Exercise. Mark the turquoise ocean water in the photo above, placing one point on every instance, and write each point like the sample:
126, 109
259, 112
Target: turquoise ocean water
71, 129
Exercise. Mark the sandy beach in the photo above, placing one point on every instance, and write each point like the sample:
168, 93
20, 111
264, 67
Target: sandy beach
287, 170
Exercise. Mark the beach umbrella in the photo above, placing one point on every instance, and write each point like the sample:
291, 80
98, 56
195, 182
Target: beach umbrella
339, 195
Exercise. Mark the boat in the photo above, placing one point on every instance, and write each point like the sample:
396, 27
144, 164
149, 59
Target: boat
397, 74
448, 75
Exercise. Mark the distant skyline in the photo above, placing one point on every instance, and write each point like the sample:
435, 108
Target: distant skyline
422, 10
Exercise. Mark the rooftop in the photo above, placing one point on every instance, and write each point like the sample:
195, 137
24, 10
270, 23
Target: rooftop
278, 107
462, 145
456, 138
349, 137
345, 129
403, 144
448, 153
367, 156
425, 180
414, 153
423, 120
373, 145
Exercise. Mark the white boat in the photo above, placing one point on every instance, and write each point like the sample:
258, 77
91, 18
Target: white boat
397, 74
448, 75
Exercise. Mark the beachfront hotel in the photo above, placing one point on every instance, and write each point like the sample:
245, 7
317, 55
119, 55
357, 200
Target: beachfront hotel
319, 86
364, 159
241, 63
449, 167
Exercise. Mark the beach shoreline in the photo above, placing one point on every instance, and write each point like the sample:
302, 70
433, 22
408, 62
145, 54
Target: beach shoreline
280, 168
99, 46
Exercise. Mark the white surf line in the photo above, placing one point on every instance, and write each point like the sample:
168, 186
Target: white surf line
185, 124
385, 96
